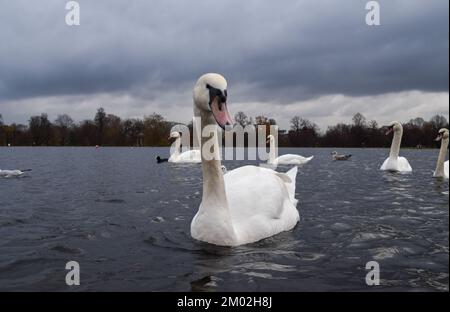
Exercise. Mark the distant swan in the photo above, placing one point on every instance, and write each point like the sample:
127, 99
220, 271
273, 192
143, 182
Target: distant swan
394, 162
288, 159
336, 156
12, 173
442, 165
246, 204
192, 156
224, 169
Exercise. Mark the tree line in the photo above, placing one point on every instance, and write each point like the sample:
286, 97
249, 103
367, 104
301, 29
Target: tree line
153, 130
418, 133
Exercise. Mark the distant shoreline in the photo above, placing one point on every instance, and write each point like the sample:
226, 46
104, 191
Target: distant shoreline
309, 147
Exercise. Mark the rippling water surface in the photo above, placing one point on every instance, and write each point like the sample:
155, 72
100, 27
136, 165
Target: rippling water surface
126, 220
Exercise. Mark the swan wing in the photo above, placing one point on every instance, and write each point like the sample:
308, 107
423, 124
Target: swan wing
403, 165
388, 165
261, 201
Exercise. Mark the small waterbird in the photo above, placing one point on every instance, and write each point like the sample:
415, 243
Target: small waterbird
12, 173
160, 160
336, 156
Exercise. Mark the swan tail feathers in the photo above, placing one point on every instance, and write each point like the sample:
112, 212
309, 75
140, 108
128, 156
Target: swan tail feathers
292, 174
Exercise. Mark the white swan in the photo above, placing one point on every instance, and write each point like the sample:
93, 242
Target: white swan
246, 204
394, 162
192, 156
288, 159
224, 169
442, 165
12, 173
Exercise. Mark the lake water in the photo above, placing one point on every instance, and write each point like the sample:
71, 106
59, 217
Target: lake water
126, 220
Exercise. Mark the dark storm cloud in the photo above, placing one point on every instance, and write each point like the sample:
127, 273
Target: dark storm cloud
268, 50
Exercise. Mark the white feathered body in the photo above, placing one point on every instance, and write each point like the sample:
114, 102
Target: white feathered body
261, 204
395, 162
192, 156
446, 169
443, 174
290, 159
398, 164
11, 173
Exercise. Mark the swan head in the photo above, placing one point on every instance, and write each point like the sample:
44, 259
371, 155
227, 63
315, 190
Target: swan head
210, 97
395, 127
442, 135
334, 153
174, 135
224, 169
270, 138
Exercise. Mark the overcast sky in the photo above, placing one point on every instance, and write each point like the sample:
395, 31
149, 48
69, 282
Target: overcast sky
316, 59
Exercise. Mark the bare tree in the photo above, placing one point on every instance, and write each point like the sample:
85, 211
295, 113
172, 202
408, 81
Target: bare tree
156, 130
63, 124
359, 120
439, 122
100, 119
64, 120
295, 123
261, 120
40, 129
373, 124
241, 119
417, 122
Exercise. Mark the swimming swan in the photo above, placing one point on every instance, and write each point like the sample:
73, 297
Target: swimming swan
192, 156
288, 159
12, 173
442, 165
246, 204
394, 162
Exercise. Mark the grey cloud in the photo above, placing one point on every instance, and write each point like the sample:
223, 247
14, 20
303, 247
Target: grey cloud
270, 51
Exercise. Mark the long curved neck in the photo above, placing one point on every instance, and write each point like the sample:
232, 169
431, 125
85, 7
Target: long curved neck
396, 142
177, 147
441, 158
214, 195
272, 154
